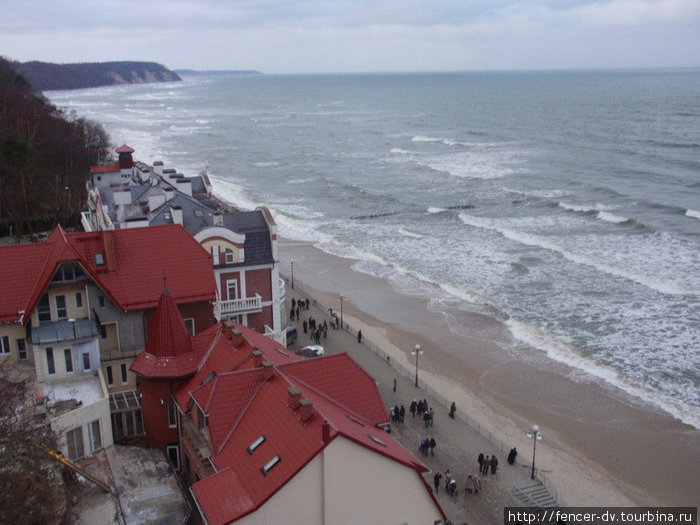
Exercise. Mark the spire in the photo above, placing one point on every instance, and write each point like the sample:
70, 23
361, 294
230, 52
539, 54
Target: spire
169, 351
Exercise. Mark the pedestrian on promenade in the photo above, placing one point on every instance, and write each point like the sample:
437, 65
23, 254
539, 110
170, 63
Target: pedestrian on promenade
413, 407
486, 465
436, 481
477, 484
424, 446
297, 311
452, 489
294, 303
494, 464
396, 413
394, 384
511, 455
431, 413
480, 461
307, 303
448, 478
433, 444
469, 487
359, 336
291, 314
305, 325
453, 407
402, 413
426, 419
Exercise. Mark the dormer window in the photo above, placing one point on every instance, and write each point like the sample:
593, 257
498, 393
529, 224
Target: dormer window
229, 256
99, 260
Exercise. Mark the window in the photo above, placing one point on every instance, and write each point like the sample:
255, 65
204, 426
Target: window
68, 272
268, 466
125, 377
5, 344
95, 434
229, 256
255, 444
174, 456
69, 360
99, 259
22, 349
103, 331
202, 418
189, 324
51, 366
44, 309
231, 290
78, 300
110, 376
86, 361
74, 441
172, 415
61, 310
101, 300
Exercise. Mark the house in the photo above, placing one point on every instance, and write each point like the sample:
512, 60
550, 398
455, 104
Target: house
242, 244
76, 308
266, 436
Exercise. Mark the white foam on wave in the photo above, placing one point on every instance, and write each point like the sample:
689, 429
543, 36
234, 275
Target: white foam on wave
543, 194
599, 209
266, 164
660, 285
473, 165
693, 213
412, 235
434, 209
568, 355
610, 217
400, 151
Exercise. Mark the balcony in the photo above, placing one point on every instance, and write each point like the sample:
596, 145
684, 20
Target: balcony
64, 330
238, 306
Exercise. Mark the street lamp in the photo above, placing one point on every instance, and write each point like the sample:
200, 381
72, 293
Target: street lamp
536, 436
341, 309
417, 352
291, 263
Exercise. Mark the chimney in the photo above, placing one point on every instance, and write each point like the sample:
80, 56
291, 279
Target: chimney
169, 193
176, 212
184, 185
121, 194
268, 370
293, 397
226, 330
237, 338
218, 218
110, 252
257, 357
306, 410
155, 201
158, 167
325, 432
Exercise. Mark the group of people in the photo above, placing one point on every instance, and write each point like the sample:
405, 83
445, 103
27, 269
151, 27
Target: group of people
397, 413
487, 463
427, 445
297, 305
316, 332
421, 408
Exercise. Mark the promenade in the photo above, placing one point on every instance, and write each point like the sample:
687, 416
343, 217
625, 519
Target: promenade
458, 443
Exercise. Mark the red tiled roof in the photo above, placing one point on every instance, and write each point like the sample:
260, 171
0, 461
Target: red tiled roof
136, 260
124, 149
106, 169
242, 406
169, 352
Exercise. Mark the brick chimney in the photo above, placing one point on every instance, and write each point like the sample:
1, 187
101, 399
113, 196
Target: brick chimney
257, 357
268, 370
294, 397
237, 337
306, 409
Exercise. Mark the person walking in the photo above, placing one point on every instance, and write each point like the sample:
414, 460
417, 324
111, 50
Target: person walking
486, 465
426, 419
431, 413
359, 336
494, 464
305, 325
511, 455
453, 408
469, 486
402, 413
412, 407
433, 444
480, 461
394, 384
436, 481
448, 478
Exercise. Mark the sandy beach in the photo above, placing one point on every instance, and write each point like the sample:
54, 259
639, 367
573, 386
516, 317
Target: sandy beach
599, 448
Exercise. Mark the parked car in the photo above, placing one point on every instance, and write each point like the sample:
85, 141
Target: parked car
291, 335
311, 351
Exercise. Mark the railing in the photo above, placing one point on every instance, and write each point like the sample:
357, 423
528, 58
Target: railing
64, 330
238, 306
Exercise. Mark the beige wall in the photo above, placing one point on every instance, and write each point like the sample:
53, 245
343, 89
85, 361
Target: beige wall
72, 310
117, 384
13, 333
356, 485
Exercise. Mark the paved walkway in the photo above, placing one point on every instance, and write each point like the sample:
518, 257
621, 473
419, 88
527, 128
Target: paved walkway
458, 444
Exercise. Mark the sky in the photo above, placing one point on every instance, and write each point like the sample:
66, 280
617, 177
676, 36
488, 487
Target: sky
343, 36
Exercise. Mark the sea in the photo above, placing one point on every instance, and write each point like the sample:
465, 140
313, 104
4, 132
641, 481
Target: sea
565, 204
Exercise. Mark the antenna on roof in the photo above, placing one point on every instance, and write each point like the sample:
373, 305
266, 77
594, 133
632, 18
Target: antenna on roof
165, 283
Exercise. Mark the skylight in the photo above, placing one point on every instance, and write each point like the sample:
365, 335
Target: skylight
99, 259
268, 466
377, 440
255, 444
355, 420
285, 354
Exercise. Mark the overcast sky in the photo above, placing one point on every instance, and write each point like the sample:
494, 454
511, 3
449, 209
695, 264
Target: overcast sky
316, 36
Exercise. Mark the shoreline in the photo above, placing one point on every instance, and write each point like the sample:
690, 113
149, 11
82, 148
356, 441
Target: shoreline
598, 449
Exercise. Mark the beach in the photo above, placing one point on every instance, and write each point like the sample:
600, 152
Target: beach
600, 447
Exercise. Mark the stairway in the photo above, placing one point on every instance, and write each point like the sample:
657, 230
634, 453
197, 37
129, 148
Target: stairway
534, 494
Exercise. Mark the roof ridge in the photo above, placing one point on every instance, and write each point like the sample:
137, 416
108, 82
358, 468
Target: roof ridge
243, 410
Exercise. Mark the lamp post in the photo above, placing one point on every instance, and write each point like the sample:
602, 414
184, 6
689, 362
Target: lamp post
417, 352
291, 263
536, 436
341, 309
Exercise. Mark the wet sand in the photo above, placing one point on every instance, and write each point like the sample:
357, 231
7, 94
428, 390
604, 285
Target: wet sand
599, 447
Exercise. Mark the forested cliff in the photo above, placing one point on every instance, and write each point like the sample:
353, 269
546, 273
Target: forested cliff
45, 158
46, 76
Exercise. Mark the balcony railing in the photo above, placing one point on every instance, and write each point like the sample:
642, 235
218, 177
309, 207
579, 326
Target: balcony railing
64, 330
238, 306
